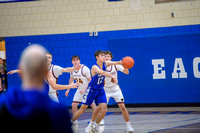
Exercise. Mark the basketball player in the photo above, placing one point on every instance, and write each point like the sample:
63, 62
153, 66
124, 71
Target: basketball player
52, 77
56, 72
26, 108
83, 77
113, 90
96, 92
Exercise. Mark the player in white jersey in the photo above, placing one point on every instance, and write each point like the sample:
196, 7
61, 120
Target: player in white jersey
113, 90
83, 77
56, 72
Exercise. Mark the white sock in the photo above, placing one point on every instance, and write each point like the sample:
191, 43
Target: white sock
97, 125
92, 122
128, 123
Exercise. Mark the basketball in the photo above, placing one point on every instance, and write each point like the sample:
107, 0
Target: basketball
128, 62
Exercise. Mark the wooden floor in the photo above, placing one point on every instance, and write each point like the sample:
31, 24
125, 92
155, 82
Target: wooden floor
149, 120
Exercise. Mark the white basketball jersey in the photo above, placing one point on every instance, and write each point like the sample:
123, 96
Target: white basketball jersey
112, 69
81, 76
56, 71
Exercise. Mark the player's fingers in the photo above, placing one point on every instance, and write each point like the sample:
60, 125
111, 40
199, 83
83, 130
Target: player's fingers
66, 93
77, 84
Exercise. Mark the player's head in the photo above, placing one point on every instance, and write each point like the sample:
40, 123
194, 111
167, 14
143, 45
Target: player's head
108, 55
99, 55
49, 58
33, 64
75, 60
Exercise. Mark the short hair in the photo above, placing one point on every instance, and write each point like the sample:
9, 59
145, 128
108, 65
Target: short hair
108, 52
75, 56
98, 52
33, 61
49, 53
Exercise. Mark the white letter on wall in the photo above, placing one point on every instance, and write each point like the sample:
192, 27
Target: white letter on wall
196, 71
182, 73
155, 64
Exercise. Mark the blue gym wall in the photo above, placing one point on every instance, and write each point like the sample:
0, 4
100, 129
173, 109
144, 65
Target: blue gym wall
63, 46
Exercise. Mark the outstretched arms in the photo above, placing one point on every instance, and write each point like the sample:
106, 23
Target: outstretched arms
95, 69
70, 69
108, 63
14, 71
56, 86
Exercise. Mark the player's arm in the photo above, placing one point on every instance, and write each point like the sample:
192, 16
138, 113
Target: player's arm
14, 71
125, 71
71, 80
56, 86
108, 63
96, 69
70, 69
83, 91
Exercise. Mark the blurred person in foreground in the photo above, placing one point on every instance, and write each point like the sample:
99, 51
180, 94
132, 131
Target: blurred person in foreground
28, 108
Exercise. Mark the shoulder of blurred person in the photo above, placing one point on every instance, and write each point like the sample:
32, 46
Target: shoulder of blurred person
32, 110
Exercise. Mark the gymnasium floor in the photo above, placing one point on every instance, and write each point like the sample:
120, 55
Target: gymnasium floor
149, 120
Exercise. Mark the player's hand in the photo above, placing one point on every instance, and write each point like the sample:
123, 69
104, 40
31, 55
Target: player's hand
115, 80
120, 62
82, 91
67, 93
1, 89
77, 67
13, 71
74, 85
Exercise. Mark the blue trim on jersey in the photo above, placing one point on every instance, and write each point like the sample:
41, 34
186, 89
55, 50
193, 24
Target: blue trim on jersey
97, 81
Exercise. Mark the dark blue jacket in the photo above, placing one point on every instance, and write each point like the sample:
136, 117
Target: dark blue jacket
32, 111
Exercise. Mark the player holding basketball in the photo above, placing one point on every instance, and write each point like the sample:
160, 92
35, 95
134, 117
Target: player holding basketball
96, 92
113, 90
51, 77
83, 77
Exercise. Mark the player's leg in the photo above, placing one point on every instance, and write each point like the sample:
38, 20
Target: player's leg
97, 115
118, 96
88, 98
79, 112
93, 106
74, 107
100, 110
126, 117
124, 111
95, 112
76, 101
